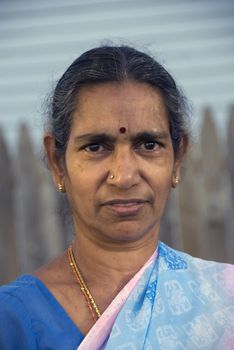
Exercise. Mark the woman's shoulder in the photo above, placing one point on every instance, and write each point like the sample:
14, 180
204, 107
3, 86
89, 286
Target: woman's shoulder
176, 259
197, 275
19, 285
26, 291
18, 291
15, 320
29, 312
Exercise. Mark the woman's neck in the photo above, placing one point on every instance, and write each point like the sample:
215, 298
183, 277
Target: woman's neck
112, 263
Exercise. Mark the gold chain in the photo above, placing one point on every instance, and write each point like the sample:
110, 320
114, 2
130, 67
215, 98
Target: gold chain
83, 286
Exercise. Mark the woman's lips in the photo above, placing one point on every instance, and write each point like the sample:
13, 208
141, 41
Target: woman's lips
125, 207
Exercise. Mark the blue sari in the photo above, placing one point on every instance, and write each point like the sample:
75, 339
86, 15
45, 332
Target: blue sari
179, 303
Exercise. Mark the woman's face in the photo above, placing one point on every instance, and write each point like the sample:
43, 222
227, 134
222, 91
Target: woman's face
119, 129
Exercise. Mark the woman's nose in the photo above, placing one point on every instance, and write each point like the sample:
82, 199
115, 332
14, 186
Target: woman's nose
124, 169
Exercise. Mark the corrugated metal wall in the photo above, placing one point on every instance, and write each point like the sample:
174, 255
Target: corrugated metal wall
39, 39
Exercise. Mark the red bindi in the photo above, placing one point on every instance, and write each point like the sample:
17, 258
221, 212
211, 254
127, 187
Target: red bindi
122, 130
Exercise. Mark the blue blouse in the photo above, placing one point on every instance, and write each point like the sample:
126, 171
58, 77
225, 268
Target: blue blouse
31, 318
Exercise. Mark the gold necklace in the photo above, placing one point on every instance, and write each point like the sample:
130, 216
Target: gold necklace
83, 286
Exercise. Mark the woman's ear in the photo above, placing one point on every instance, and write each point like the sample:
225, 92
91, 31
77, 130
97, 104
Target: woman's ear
56, 165
179, 157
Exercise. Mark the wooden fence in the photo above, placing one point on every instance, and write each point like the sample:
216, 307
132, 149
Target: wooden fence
199, 218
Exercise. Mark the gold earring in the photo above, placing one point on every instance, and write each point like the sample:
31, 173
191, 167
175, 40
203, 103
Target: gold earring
175, 181
60, 188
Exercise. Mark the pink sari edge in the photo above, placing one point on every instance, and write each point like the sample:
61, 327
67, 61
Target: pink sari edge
98, 334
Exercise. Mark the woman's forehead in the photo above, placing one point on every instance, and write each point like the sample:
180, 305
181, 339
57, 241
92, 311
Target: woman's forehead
123, 94
125, 107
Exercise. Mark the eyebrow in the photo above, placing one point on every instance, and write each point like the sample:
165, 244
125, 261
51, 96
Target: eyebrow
150, 135
95, 137
105, 137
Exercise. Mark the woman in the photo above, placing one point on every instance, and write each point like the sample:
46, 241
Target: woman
115, 146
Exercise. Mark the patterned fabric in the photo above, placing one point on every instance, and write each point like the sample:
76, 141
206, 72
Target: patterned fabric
98, 335
179, 303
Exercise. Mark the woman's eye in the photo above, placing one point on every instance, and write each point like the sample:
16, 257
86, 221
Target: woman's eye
149, 145
94, 148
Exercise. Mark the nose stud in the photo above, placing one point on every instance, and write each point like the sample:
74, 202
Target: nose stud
112, 176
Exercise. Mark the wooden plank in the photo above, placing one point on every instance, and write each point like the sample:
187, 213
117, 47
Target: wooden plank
214, 172
8, 251
169, 228
29, 207
191, 204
